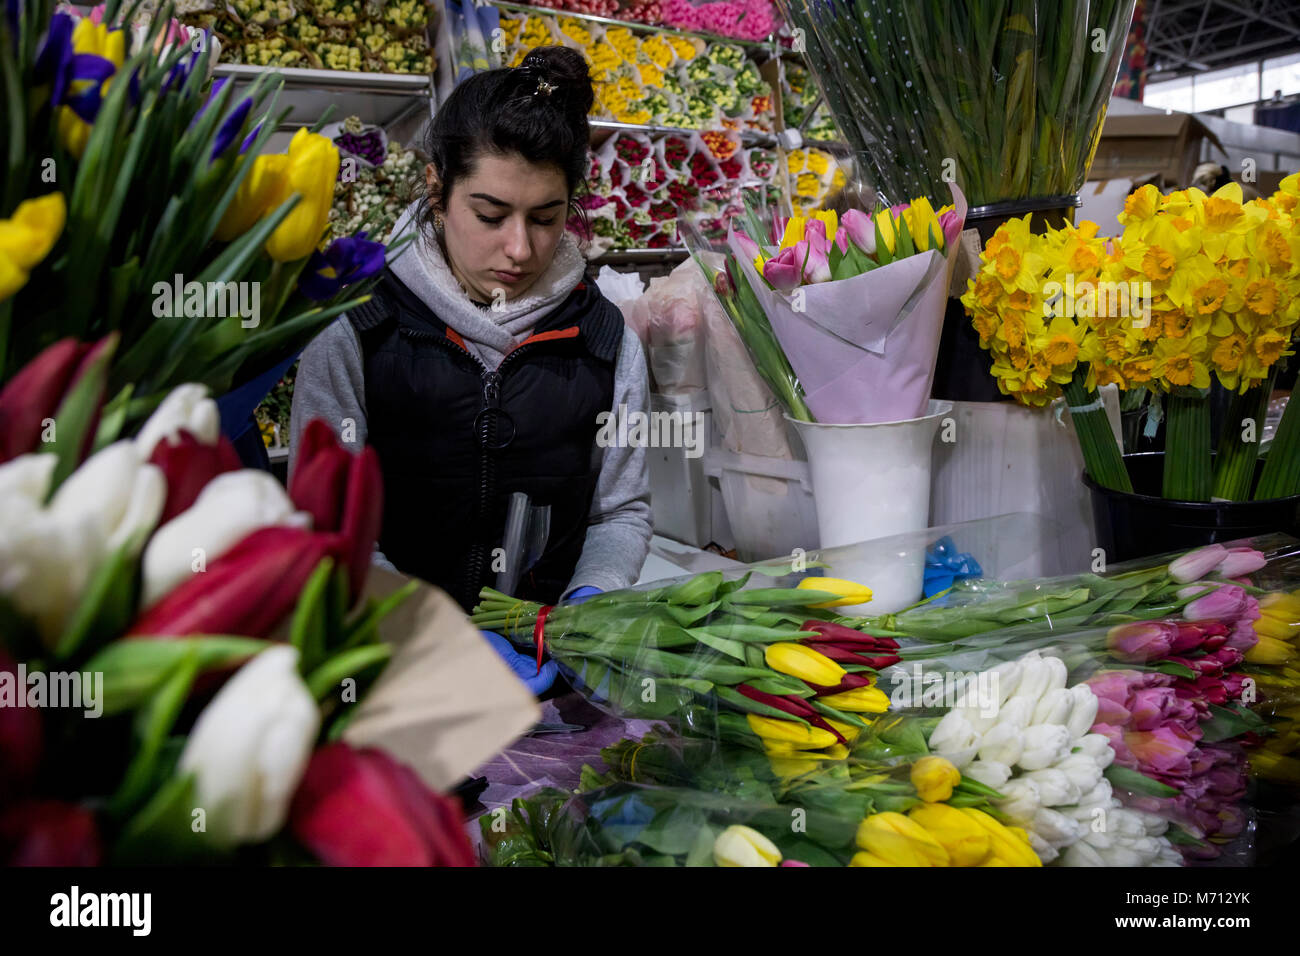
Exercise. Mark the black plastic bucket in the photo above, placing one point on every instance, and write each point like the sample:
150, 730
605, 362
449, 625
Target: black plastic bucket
1141, 523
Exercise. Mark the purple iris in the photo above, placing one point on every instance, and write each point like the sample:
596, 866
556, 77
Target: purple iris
349, 260
248, 140
60, 65
230, 128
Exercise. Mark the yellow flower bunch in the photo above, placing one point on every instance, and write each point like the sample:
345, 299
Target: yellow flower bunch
624, 41
510, 27
575, 30
602, 59
650, 74
1222, 284
658, 51
27, 237
936, 834
684, 48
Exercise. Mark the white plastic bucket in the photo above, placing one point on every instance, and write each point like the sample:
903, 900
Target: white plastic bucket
871, 481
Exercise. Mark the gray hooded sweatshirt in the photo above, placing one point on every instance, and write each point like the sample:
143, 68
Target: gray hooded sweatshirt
330, 385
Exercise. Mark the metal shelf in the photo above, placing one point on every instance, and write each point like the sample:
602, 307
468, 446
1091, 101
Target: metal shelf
630, 24
601, 130
380, 98
635, 256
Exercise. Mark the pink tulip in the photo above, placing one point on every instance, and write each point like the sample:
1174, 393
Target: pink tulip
1142, 641
1226, 603
785, 269
1166, 749
794, 863
1123, 756
1243, 636
748, 245
951, 224
817, 267
856, 226
1241, 561
1195, 565
21, 737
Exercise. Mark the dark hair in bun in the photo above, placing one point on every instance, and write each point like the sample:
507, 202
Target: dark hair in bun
537, 109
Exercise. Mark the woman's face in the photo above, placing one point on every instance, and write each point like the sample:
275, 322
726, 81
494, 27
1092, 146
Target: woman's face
502, 223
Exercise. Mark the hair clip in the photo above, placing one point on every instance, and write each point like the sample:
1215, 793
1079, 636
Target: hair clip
544, 88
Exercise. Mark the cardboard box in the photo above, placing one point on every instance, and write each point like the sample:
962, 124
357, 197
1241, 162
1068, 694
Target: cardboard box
1134, 145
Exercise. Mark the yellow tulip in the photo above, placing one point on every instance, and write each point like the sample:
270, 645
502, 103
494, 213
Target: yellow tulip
967, 842
264, 188
742, 846
847, 731
900, 841
803, 663
1270, 650
1009, 844
312, 170
863, 858
885, 220
920, 218
860, 700
1270, 625
798, 736
850, 592
793, 234
934, 778
27, 237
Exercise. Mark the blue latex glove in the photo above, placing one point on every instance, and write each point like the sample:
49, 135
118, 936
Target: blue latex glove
581, 594
944, 566
525, 667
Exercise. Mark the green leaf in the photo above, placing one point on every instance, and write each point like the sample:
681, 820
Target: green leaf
363, 628
1136, 782
107, 605
307, 629
701, 851
112, 418
1226, 723
167, 829
75, 415
345, 664
134, 667
782, 597
721, 644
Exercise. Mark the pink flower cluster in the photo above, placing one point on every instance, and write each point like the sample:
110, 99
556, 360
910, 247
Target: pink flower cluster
1209, 648
743, 19
1153, 724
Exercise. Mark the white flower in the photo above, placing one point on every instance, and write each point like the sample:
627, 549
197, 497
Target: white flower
250, 746
1016, 712
124, 495
1081, 854
1055, 788
185, 407
991, 773
229, 507
1021, 800
1045, 744
1099, 796
1083, 771
1034, 676
1083, 712
953, 734
1003, 744
1056, 828
1096, 746
1045, 851
1053, 707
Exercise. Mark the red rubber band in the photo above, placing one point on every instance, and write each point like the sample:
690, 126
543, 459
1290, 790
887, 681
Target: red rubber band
539, 632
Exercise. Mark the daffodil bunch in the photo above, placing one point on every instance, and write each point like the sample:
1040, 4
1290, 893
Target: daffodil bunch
135, 202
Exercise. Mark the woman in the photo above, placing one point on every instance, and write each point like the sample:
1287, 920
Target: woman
480, 366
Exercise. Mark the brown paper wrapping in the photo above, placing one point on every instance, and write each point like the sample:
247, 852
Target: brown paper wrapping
446, 703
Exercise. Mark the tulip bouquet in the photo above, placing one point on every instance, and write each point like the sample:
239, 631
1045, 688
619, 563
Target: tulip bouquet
213, 621
798, 304
135, 202
788, 678
1197, 287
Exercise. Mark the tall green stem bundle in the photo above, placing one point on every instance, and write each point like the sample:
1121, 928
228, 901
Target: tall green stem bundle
1187, 445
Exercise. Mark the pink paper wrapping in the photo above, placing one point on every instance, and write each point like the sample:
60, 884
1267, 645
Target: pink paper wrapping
864, 348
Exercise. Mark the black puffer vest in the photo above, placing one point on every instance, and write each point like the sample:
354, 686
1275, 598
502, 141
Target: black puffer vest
455, 439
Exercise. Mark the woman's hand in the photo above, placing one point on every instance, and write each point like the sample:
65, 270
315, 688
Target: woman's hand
525, 668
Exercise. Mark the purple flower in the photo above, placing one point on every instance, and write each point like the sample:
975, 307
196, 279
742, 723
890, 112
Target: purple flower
1227, 603
346, 261
230, 128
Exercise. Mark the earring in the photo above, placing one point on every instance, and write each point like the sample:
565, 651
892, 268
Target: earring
437, 223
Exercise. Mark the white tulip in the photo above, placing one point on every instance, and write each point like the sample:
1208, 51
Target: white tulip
1168, 856
123, 494
25, 480
1119, 855
229, 507
1083, 710
186, 407
1081, 854
1053, 707
1099, 796
1003, 744
1034, 675
1007, 676
1021, 800
991, 773
1057, 673
1056, 828
1054, 787
1045, 744
1016, 712
1126, 823
1082, 770
250, 746
953, 733
45, 564
1044, 850
1155, 824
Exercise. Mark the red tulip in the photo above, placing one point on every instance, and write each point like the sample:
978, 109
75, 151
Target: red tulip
35, 393
342, 492
362, 808
48, 833
842, 654
188, 464
792, 705
20, 740
839, 634
247, 591
850, 682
